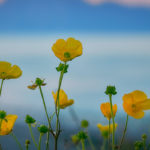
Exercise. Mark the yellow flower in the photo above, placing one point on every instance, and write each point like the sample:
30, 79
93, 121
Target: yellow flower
105, 129
63, 99
7, 71
135, 103
106, 110
7, 124
67, 50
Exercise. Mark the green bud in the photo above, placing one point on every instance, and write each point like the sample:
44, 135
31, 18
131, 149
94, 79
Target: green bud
110, 90
67, 55
82, 135
84, 123
38, 81
43, 129
61, 68
144, 136
2, 114
27, 142
75, 139
29, 119
138, 144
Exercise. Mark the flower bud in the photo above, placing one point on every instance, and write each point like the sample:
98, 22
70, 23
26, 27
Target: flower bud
29, 119
111, 90
84, 123
43, 129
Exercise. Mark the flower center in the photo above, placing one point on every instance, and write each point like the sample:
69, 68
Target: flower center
67, 55
134, 107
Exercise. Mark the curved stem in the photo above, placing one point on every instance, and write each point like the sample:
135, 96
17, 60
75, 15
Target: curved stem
57, 107
1, 86
40, 138
124, 132
15, 138
32, 136
113, 131
49, 124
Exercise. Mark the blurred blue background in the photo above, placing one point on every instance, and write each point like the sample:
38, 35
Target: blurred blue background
116, 41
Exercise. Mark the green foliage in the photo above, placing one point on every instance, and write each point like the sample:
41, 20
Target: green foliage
62, 67
2, 114
82, 135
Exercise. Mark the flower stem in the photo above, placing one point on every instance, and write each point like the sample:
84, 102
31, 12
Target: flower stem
124, 132
40, 138
113, 131
49, 124
27, 146
15, 138
90, 142
109, 136
32, 136
1, 86
83, 145
57, 107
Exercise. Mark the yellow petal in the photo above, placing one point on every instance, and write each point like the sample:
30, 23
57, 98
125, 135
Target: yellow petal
4, 66
7, 125
137, 115
145, 105
14, 72
139, 95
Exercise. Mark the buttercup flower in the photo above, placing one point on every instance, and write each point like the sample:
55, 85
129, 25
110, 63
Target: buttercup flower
63, 99
67, 50
7, 71
106, 110
135, 103
7, 124
105, 129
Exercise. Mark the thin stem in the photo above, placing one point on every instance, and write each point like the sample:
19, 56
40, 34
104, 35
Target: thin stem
57, 107
109, 136
104, 145
91, 144
1, 123
40, 138
49, 124
32, 136
113, 131
83, 145
1, 86
124, 132
15, 138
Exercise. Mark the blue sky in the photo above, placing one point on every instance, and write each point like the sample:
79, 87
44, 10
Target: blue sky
71, 15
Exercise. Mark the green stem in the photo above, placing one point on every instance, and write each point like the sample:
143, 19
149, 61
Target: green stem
1, 123
83, 145
32, 136
90, 142
27, 146
57, 107
49, 124
15, 138
124, 132
113, 131
104, 145
109, 136
1, 86
40, 138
